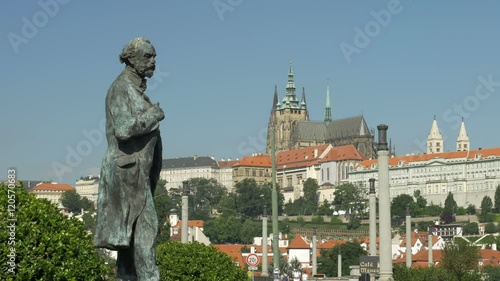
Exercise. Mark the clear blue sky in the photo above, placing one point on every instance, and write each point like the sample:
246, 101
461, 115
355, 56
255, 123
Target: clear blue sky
218, 71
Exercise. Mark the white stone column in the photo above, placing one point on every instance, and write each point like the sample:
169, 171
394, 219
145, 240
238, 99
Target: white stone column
408, 238
264, 244
384, 206
185, 216
429, 238
339, 268
314, 258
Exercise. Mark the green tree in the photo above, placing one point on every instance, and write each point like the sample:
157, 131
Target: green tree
89, 221
222, 230
196, 262
163, 233
402, 273
450, 205
354, 223
48, 245
328, 261
349, 198
325, 209
471, 228
284, 226
72, 200
86, 204
399, 203
420, 202
205, 195
227, 205
486, 205
433, 210
297, 208
471, 209
490, 228
460, 258
163, 202
311, 195
248, 231
461, 211
266, 195
492, 273
497, 199
251, 197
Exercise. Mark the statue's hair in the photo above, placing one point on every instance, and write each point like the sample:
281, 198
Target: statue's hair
131, 48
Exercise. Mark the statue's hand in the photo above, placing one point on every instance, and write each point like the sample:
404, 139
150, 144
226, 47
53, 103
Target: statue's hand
158, 112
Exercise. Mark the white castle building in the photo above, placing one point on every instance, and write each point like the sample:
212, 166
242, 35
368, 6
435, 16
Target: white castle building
468, 174
88, 187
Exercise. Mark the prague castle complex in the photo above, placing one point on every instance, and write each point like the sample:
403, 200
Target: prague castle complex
293, 130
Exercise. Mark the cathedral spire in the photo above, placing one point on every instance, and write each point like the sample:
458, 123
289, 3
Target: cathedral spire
328, 108
463, 143
275, 100
304, 103
290, 100
290, 86
435, 140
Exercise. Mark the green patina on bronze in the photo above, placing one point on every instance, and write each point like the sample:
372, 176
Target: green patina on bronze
126, 216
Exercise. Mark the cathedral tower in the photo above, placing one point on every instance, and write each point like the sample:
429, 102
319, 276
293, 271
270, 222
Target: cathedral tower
285, 115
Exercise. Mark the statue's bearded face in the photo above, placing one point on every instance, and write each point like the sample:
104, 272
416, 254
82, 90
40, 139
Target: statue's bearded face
144, 60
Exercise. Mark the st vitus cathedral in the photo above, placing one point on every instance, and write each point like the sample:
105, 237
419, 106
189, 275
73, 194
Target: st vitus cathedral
293, 129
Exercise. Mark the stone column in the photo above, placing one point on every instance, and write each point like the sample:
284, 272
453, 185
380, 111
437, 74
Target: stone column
314, 258
264, 244
185, 216
339, 269
429, 238
408, 237
384, 205
373, 218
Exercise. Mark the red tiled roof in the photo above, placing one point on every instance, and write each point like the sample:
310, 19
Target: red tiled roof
233, 251
394, 161
346, 152
260, 160
489, 257
419, 264
330, 244
225, 164
421, 259
424, 256
298, 243
192, 223
53, 187
300, 157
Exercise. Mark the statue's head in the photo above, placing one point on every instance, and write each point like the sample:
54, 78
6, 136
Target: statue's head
139, 54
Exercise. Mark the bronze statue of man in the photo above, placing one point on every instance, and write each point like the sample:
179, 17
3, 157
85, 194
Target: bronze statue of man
126, 215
